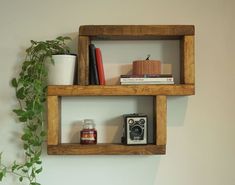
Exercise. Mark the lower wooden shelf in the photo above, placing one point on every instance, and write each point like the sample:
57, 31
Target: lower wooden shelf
105, 149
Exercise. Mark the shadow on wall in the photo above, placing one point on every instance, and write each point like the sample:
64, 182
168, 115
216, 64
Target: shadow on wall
120, 169
175, 114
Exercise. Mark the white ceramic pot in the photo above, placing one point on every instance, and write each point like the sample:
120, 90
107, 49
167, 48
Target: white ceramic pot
62, 71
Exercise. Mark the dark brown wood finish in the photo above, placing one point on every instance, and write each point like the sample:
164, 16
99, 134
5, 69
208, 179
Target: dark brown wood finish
83, 65
136, 31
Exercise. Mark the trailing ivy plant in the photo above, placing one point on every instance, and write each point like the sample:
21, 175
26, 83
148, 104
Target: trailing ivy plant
30, 87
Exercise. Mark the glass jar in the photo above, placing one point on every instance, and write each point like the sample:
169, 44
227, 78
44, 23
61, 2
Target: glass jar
88, 133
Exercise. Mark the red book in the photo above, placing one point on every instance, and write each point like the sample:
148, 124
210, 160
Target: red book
100, 66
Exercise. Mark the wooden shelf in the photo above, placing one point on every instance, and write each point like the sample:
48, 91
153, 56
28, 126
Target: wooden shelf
87, 33
184, 33
121, 90
104, 149
55, 146
120, 32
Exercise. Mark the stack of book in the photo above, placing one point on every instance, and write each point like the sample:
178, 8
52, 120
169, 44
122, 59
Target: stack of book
146, 79
96, 69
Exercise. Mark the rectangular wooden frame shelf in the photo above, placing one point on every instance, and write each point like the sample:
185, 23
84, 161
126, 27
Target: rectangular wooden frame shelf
55, 146
87, 33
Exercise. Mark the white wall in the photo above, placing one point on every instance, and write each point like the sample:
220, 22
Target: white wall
201, 137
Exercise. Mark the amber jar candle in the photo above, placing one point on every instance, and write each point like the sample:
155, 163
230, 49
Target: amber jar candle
88, 133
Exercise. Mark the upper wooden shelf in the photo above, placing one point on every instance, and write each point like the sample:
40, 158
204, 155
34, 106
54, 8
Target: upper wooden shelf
113, 32
121, 90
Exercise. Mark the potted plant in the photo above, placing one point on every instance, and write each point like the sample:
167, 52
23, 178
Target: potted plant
30, 88
63, 68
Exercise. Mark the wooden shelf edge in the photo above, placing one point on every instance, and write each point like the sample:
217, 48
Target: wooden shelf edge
135, 31
121, 90
105, 149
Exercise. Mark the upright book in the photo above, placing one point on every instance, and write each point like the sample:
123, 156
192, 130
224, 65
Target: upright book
100, 67
93, 73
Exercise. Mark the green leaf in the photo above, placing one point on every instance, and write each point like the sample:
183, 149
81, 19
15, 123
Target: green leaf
29, 164
67, 38
19, 112
39, 162
38, 170
26, 137
33, 174
34, 183
20, 93
43, 133
14, 82
19, 167
3, 173
27, 154
1, 176
33, 42
26, 146
21, 179
23, 119
25, 170
14, 167
59, 38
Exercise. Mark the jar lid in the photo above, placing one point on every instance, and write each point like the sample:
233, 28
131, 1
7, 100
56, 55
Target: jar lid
89, 124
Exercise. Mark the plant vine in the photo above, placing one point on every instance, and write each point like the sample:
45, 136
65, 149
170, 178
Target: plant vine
30, 89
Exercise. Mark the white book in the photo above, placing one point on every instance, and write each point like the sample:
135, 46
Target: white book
150, 82
165, 79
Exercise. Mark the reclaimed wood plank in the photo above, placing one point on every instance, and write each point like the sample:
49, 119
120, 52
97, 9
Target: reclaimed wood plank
104, 149
161, 116
83, 62
187, 60
135, 31
53, 120
121, 90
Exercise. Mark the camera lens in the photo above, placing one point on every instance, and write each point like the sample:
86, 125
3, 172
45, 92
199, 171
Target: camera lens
136, 132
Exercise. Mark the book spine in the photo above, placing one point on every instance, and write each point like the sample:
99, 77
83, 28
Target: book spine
93, 73
100, 66
146, 79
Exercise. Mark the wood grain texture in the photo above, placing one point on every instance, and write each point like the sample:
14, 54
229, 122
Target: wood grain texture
104, 149
136, 31
83, 62
119, 90
161, 115
187, 60
53, 120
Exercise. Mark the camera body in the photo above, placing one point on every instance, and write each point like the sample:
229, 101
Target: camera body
135, 129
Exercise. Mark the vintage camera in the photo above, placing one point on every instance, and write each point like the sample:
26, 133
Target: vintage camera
135, 129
